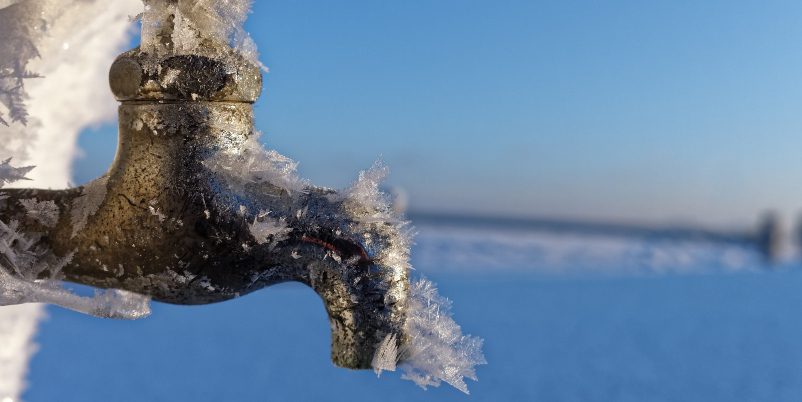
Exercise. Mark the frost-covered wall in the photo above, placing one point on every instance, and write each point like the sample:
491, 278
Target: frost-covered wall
68, 44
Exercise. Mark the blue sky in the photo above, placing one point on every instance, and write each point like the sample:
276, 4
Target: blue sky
623, 110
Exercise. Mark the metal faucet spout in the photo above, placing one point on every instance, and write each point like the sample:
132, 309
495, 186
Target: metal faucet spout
167, 221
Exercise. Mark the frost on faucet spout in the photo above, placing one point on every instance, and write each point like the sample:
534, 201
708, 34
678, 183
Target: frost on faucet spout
432, 348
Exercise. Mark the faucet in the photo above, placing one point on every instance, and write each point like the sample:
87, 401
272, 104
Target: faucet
172, 221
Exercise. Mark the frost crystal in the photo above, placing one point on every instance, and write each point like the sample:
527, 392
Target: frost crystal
10, 174
367, 200
266, 229
257, 165
46, 212
386, 356
51, 55
16, 50
436, 350
433, 349
158, 214
88, 203
194, 21
373, 211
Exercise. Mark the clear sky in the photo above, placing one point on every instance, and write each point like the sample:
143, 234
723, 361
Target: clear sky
636, 110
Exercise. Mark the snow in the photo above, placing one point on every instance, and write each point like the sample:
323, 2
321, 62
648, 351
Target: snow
483, 249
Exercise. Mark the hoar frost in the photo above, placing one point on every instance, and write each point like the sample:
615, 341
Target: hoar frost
257, 165
193, 22
16, 50
433, 349
386, 357
45, 212
437, 350
88, 203
10, 174
265, 228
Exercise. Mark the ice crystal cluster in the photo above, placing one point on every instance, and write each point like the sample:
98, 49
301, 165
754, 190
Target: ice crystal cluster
255, 165
437, 350
181, 26
433, 350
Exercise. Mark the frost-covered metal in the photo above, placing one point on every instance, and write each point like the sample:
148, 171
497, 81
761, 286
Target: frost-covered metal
171, 221
194, 210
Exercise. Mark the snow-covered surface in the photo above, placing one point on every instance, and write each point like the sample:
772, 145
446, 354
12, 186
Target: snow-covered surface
480, 249
700, 334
